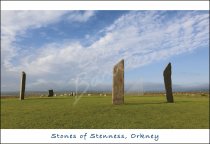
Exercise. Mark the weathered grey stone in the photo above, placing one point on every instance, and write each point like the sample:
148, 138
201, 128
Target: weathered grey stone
118, 83
22, 85
168, 83
51, 93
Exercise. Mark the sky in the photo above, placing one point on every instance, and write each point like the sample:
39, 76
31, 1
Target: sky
76, 50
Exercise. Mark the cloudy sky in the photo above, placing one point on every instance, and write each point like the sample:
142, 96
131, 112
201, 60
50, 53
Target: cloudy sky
66, 50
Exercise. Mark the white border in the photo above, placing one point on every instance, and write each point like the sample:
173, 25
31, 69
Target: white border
166, 136
105, 5
83, 135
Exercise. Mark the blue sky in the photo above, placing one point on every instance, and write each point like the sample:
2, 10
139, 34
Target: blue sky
63, 50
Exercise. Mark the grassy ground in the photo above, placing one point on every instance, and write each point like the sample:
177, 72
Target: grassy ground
144, 112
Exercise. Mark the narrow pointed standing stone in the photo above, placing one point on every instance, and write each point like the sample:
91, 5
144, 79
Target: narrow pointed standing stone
118, 83
22, 85
168, 83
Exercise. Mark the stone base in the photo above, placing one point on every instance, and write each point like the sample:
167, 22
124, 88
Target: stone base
118, 101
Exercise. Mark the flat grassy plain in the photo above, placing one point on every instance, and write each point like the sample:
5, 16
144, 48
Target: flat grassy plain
97, 112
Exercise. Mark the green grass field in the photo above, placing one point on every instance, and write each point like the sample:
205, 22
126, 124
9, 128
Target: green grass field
97, 112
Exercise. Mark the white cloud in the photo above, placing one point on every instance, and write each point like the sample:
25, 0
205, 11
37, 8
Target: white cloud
16, 23
80, 16
138, 37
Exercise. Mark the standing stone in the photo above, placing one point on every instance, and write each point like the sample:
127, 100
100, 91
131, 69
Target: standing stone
51, 93
22, 85
168, 83
118, 83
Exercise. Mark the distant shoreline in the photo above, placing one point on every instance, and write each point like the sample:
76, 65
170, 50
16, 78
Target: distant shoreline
64, 93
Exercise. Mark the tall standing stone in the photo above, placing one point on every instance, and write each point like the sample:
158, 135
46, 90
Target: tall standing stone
168, 83
51, 93
118, 83
22, 85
